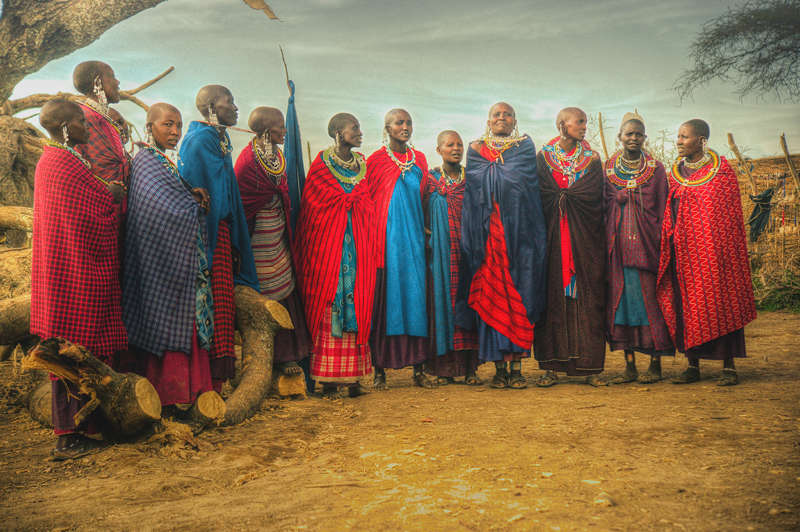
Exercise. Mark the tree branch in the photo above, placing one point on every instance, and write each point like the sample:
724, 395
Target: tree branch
34, 33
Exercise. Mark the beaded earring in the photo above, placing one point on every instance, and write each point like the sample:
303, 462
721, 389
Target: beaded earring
101, 94
267, 148
148, 135
336, 142
488, 129
516, 130
212, 116
704, 144
65, 133
385, 137
563, 132
410, 144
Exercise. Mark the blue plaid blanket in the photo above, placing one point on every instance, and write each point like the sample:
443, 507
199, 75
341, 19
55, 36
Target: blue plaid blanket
159, 296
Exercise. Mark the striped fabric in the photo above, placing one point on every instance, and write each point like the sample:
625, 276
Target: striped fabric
272, 252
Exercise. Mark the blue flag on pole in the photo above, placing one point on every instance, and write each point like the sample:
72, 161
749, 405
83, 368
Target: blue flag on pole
295, 171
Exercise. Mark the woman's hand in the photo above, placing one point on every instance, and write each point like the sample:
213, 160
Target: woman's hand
202, 198
118, 191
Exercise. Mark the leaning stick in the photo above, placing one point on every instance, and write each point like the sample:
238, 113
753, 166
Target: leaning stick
145, 85
602, 137
742, 166
228, 127
789, 162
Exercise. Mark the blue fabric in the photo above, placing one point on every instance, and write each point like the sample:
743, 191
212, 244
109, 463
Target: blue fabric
204, 310
631, 310
440, 270
161, 259
293, 150
405, 259
343, 313
514, 185
492, 345
202, 164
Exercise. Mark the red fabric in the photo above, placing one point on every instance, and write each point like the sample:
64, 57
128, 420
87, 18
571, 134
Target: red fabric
75, 289
454, 194
493, 294
104, 150
382, 174
338, 359
257, 188
177, 377
222, 295
711, 258
318, 246
567, 258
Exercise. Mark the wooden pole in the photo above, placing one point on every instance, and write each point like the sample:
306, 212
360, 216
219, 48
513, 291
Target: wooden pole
789, 162
602, 136
308, 145
285, 69
742, 165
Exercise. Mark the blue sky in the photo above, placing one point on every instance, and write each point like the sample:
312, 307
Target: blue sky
445, 61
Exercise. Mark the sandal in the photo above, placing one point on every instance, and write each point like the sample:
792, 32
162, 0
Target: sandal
356, 391
649, 377
500, 379
596, 381
422, 381
472, 379
729, 377
379, 382
625, 377
444, 381
81, 447
692, 374
517, 381
290, 369
547, 380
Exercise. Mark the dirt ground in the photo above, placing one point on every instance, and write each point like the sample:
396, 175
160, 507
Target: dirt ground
671, 458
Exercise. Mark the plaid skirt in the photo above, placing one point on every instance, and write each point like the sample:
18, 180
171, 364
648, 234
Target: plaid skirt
338, 359
222, 296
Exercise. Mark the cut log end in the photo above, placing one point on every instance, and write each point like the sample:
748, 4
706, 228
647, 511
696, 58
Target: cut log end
147, 398
207, 408
279, 314
289, 386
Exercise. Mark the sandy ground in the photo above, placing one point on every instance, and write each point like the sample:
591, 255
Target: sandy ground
671, 458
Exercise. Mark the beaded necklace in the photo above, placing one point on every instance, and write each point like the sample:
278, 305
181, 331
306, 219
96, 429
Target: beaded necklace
449, 181
104, 113
623, 175
711, 161
161, 157
87, 164
225, 146
569, 165
331, 163
497, 145
403, 166
352, 164
275, 166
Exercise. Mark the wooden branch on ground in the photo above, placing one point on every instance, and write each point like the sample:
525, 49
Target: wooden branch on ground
742, 164
789, 161
129, 402
16, 218
257, 319
15, 319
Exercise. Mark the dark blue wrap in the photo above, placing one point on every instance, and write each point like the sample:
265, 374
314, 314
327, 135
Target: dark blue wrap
202, 164
293, 150
514, 185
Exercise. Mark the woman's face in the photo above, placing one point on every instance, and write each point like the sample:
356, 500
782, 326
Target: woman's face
110, 85
501, 120
689, 143
350, 135
277, 134
400, 128
632, 136
574, 126
227, 112
167, 130
451, 149
78, 129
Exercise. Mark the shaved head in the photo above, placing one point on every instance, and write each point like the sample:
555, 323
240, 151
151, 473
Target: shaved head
57, 112
391, 114
208, 95
513, 113
444, 134
566, 113
85, 73
700, 127
339, 121
158, 109
263, 118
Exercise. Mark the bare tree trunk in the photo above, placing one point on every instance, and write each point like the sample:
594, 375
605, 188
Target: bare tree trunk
15, 319
15, 272
257, 319
20, 149
34, 33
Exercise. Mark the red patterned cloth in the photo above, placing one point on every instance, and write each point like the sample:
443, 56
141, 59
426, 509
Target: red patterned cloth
318, 246
104, 150
338, 359
713, 270
222, 295
257, 188
454, 194
75, 289
382, 175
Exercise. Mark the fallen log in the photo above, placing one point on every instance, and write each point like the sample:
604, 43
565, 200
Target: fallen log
257, 319
207, 408
15, 272
20, 218
128, 402
15, 319
289, 386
